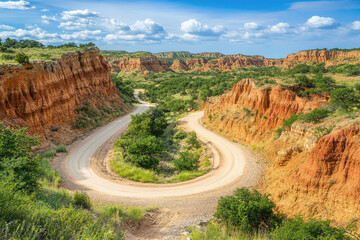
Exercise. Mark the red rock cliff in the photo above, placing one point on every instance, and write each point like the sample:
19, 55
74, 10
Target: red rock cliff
305, 176
126, 64
322, 56
249, 112
40, 95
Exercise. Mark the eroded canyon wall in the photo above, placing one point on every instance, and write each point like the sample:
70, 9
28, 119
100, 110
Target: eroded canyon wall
307, 174
41, 95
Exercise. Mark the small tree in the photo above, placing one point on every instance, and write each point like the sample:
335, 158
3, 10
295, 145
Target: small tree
187, 161
249, 211
345, 98
22, 58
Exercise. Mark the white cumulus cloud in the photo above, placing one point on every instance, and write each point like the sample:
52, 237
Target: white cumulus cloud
6, 27
355, 25
280, 28
21, 5
36, 33
251, 26
320, 22
194, 27
86, 13
47, 19
146, 30
81, 24
82, 35
115, 25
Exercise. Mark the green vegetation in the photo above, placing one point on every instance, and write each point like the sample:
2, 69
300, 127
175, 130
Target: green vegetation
249, 211
155, 150
32, 207
124, 89
82, 200
20, 52
22, 58
119, 54
251, 215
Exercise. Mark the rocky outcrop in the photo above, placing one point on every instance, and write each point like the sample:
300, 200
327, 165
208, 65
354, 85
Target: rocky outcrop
174, 55
249, 112
127, 64
41, 95
329, 57
307, 176
178, 66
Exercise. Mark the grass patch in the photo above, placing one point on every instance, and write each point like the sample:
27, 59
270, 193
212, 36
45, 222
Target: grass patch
126, 170
50, 154
60, 148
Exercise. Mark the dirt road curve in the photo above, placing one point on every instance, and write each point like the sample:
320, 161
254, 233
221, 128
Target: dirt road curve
181, 204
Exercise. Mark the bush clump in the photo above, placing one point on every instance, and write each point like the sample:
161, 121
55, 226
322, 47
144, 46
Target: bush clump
247, 210
297, 228
22, 58
60, 148
315, 115
81, 199
187, 161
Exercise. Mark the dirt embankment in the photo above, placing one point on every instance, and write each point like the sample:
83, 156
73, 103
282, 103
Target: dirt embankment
44, 96
305, 175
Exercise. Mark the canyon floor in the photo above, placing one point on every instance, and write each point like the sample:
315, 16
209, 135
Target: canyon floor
180, 204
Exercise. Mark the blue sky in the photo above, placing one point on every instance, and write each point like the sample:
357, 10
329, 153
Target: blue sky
269, 28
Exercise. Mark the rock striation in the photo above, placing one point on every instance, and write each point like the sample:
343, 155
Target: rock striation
249, 112
41, 95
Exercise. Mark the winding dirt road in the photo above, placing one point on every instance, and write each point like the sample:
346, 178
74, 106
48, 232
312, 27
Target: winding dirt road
182, 204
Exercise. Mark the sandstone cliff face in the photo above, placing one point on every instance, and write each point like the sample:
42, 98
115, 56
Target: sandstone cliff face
211, 61
127, 64
305, 176
249, 112
322, 56
178, 66
41, 95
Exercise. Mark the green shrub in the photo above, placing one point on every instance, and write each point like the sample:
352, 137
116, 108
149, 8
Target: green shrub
303, 81
15, 143
322, 131
51, 153
82, 200
357, 86
316, 115
295, 229
22, 58
288, 122
25, 172
192, 141
345, 98
301, 68
7, 57
187, 161
60, 148
181, 135
248, 211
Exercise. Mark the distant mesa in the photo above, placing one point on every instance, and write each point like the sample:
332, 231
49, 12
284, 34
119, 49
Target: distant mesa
122, 61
